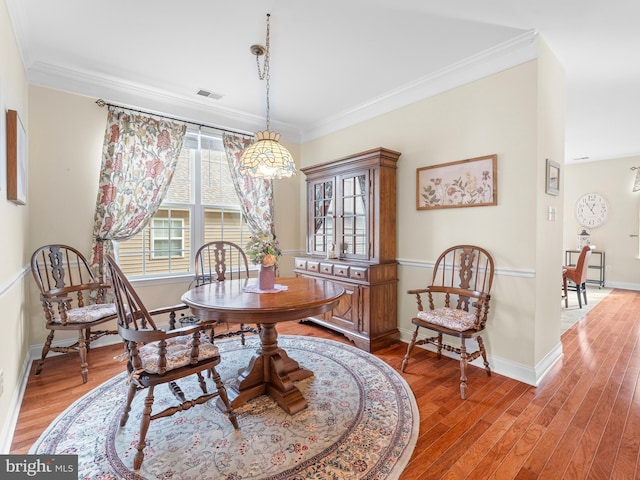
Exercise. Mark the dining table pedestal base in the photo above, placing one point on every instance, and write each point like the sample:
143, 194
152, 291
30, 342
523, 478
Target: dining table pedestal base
270, 372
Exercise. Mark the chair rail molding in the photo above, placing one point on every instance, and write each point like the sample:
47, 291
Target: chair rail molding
508, 272
8, 285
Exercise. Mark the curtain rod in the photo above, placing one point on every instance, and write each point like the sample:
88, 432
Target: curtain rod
101, 103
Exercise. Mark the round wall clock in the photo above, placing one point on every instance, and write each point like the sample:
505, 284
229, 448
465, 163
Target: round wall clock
592, 210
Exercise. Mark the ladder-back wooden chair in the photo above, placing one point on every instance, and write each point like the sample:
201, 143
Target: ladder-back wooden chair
458, 305
219, 261
156, 356
72, 299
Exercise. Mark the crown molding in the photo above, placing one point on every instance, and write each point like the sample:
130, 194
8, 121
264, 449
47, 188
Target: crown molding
515, 51
116, 90
17, 16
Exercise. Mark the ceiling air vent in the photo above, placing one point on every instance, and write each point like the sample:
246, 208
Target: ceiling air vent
208, 94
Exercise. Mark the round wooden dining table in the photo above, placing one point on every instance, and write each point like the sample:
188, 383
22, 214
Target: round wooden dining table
271, 371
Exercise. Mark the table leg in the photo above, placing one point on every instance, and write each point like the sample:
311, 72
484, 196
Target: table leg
271, 371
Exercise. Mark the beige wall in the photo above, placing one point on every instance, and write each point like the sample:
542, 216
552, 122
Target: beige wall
548, 232
614, 180
66, 143
14, 275
513, 114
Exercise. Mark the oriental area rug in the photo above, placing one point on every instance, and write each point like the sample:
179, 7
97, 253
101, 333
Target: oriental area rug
361, 422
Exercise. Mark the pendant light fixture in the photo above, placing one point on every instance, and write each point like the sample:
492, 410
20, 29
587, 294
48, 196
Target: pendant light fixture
266, 157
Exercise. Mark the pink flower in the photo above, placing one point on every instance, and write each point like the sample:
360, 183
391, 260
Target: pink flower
154, 168
108, 194
108, 223
116, 164
269, 260
136, 220
115, 134
164, 140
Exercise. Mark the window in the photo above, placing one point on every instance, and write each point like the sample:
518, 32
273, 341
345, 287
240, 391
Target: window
201, 205
167, 237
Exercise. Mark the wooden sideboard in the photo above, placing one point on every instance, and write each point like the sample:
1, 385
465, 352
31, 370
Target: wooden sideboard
351, 215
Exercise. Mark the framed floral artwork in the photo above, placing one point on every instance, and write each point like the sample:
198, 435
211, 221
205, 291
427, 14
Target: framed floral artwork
465, 183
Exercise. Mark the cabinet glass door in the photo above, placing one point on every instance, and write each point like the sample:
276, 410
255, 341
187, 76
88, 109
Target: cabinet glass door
353, 239
322, 217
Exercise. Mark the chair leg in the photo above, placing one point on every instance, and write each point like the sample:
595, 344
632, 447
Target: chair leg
45, 351
439, 345
484, 355
131, 392
584, 292
87, 338
242, 333
222, 391
201, 382
564, 289
144, 428
578, 288
405, 360
82, 350
463, 370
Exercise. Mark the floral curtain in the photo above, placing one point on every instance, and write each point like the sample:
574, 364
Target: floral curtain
255, 194
139, 156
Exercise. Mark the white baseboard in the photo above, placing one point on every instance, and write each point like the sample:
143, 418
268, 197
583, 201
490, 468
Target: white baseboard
622, 285
517, 371
14, 408
16, 401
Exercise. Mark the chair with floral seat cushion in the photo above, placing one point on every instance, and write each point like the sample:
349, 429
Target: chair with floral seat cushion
218, 261
72, 299
458, 306
156, 356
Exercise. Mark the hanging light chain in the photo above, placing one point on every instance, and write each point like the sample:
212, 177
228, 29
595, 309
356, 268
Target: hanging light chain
263, 74
265, 157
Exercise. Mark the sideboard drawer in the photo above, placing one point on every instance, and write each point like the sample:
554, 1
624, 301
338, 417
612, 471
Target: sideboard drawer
313, 266
301, 263
341, 270
358, 273
326, 268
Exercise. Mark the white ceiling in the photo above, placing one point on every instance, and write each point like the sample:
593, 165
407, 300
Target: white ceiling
334, 62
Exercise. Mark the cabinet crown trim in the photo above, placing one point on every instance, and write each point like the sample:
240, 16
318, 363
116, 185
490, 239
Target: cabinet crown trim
376, 156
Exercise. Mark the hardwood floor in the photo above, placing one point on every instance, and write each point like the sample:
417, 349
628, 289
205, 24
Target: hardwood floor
582, 422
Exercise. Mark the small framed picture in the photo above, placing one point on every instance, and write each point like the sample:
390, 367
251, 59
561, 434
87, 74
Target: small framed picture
552, 186
16, 159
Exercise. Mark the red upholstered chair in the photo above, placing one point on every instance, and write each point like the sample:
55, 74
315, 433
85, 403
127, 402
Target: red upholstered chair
577, 274
458, 305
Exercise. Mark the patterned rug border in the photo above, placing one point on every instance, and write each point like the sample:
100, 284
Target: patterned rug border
397, 382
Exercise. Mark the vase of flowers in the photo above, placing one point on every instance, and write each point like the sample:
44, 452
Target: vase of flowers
263, 250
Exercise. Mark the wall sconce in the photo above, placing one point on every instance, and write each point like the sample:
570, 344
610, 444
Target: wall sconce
636, 184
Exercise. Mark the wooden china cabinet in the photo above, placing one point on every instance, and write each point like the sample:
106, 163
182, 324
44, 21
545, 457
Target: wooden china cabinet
351, 241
